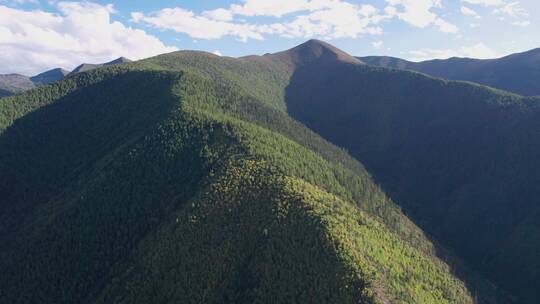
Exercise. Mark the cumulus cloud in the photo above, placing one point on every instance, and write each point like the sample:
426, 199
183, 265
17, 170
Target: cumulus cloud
485, 2
445, 27
469, 12
327, 19
521, 23
377, 44
25, 1
504, 8
339, 20
219, 14
419, 13
33, 41
479, 51
512, 9
276, 8
321, 18
197, 26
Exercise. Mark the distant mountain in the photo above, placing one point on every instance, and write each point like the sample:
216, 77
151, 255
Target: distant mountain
85, 67
15, 83
389, 62
517, 73
49, 76
119, 60
89, 66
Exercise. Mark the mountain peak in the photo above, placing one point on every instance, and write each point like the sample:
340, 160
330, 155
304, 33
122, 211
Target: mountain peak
84, 67
315, 51
49, 76
119, 60
89, 66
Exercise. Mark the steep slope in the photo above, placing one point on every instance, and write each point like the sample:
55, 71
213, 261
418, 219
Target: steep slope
518, 73
459, 157
181, 179
49, 76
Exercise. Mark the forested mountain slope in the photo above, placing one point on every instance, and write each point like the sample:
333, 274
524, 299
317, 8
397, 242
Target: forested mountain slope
181, 179
460, 158
518, 73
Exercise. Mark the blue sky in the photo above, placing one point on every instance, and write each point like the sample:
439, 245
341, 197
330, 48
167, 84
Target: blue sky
36, 35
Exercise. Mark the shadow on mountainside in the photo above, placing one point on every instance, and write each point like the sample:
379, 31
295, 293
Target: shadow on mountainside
459, 158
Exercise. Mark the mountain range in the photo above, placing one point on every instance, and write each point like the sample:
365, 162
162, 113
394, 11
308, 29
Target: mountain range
11, 84
304, 176
517, 73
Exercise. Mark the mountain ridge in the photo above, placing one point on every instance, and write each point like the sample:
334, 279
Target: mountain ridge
49, 76
516, 73
90, 66
189, 160
430, 143
181, 167
11, 84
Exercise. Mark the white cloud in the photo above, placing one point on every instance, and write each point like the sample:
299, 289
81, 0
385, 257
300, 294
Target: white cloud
419, 13
328, 19
19, 2
377, 44
474, 25
197, 26
32, 41
276, 8
25, 1
391, 11
512, 9
217, 52
445, 27
469, 12
485, 2
219, 14
341, 20
479, 50
521, 23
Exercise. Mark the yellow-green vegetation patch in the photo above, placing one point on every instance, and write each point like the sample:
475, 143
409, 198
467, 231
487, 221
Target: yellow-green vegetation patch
402, 272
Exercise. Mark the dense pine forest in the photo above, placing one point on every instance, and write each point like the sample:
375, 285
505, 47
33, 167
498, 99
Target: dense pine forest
194, 178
